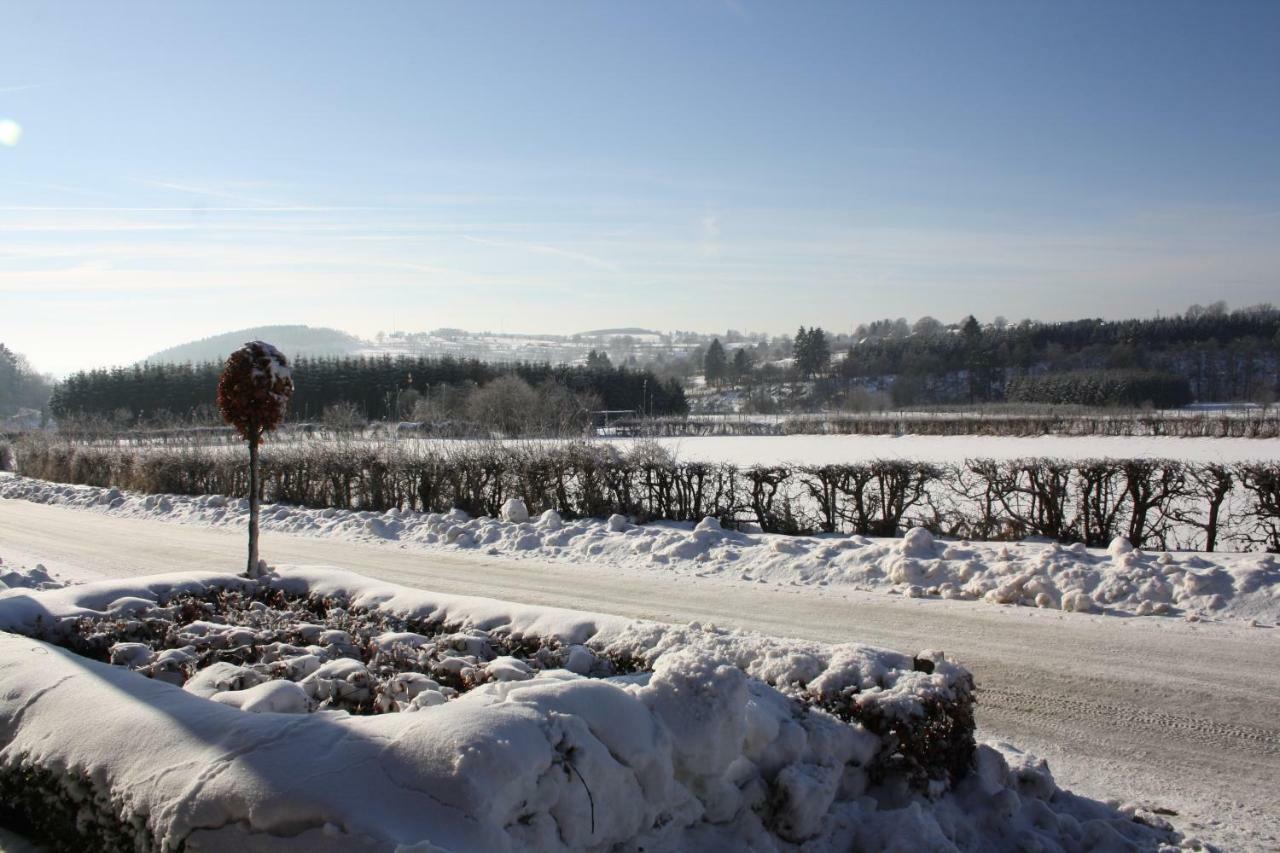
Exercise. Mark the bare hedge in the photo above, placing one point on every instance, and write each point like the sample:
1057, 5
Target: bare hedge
1249, 424
1155, 503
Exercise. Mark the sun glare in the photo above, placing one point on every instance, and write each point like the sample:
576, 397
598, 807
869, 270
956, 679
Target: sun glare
10, 132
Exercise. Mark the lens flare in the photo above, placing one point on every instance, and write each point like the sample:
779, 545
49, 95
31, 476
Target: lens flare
10, 132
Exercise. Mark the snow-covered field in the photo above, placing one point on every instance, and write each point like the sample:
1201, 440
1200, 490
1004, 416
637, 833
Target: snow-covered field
839, 449
1119, 580
836, 449
709, 746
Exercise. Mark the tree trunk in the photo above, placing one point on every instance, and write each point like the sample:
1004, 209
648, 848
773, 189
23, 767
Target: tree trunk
253, 507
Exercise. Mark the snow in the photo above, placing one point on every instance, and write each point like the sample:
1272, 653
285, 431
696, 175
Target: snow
1117, 580
35, 577
813, 449
270, 697
514, 510
892, 682
845, 449
748, 450
698, 752
271, 365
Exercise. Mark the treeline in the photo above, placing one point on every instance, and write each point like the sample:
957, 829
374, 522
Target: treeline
21, 387
1162, 504
1222, 355
378, 388
1096, 388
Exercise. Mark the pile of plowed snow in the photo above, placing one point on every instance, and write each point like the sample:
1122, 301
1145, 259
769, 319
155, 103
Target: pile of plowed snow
23, 577
696, 750
1119, 579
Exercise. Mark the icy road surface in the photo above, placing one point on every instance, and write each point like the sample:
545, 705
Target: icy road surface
1166, 713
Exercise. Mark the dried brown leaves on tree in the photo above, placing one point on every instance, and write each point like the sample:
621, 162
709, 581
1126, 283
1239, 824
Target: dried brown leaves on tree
254, 389
253, 393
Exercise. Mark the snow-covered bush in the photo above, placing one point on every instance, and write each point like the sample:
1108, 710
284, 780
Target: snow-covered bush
323, 711
345, 654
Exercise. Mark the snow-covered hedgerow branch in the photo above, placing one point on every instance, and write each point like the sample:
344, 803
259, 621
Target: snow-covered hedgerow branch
1155, 503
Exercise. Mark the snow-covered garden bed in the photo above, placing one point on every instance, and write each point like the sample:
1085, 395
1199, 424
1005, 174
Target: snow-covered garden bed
1118, 579
320, 710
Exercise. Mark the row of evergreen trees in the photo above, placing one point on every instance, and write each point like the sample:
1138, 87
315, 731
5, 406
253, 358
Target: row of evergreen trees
148, 393
1102, 388
1222, 355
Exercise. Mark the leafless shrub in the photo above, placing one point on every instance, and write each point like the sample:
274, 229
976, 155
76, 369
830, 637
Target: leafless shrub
1208, 488
1262, 482
343, 419
1155, 503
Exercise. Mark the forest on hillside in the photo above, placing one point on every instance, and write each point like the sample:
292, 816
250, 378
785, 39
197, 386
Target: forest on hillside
1207, 354
1219, 354
369, 388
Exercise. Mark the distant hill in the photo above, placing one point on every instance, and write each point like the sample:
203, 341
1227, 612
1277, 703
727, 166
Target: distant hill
634, 331
291, 340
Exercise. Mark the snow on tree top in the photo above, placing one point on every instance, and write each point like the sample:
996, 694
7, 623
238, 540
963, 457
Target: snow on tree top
254, 389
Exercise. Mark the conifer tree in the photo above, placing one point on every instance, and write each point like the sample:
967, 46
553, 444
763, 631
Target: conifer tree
812, 351
715, 364
741, 365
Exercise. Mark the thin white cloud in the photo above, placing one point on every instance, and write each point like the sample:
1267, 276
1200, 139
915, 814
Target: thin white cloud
709, 234
543, 249
213, 192
32, 208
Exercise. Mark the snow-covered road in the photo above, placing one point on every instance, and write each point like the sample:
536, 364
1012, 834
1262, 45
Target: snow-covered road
1171, 714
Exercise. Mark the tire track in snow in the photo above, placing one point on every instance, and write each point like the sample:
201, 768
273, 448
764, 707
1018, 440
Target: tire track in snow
1049, 712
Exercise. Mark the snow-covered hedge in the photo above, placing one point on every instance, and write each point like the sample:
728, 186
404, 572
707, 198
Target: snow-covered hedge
589, 732
1155, 503
299, 620
1119, 579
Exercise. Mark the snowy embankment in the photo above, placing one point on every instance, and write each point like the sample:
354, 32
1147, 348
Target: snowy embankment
1119, 579
437, 722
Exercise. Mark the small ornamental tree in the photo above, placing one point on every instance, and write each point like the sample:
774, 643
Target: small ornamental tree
253, 393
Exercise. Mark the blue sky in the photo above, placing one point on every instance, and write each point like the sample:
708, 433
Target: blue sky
185, 169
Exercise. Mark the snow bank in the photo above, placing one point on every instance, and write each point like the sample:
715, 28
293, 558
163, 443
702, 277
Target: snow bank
695, 752
21, 577
852, 680
1118, 580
